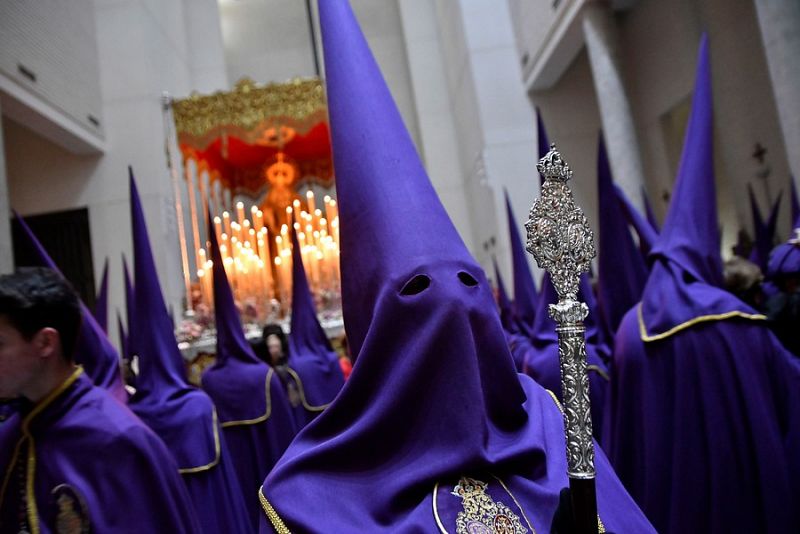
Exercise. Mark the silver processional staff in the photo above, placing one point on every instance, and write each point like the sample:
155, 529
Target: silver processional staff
560, 239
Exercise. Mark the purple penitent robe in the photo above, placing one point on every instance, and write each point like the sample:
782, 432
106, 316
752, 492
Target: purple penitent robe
314, 368
85, 463
180, 414
434, 419
704, 425
252, 407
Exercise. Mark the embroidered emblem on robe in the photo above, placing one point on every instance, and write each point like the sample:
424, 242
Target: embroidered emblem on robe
72, 516
481, 514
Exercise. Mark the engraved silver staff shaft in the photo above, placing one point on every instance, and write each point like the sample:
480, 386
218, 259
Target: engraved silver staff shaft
560, 239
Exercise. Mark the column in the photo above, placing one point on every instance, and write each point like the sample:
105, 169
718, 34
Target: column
6, 248
780, 30
602, 43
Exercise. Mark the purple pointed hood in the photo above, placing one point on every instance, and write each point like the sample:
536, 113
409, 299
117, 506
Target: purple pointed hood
231, 342
785, 258
542, 140
772, 220
130, 311
644, 229
180, 414
311, 355
307, 339
161, 367
418, 311
758, 219
690, 236
123, 338
434, 383
525, 294
685, 282
93, 349
544, 332
621, 270
504, 303
101, 304
237, 372
764, 231
649, 213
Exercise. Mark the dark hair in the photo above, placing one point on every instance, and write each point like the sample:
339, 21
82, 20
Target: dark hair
274, 329
33, 298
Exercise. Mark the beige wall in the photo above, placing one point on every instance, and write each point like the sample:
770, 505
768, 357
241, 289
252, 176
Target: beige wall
659, 41
144, 47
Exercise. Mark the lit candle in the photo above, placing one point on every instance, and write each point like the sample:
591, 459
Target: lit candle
218, 228
226, 222
240, 217
259, 221
328, 209
310, 199
193, 213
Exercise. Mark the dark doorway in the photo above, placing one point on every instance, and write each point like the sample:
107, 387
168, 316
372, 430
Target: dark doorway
65, 236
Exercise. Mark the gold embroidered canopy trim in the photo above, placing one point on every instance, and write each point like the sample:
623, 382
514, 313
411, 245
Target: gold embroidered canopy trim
247, 110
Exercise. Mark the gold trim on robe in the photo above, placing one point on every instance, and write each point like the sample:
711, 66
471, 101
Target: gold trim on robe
306, 405
277, 523
30, 470
691, 322
215, 461
267, 413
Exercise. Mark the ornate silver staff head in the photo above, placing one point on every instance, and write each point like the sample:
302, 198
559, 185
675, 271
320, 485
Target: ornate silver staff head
559, 236
560, 239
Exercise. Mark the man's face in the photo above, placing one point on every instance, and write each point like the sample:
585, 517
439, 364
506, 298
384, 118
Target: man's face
275, 348
20, 360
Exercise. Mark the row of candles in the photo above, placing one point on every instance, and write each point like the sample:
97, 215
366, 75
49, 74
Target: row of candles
259, 265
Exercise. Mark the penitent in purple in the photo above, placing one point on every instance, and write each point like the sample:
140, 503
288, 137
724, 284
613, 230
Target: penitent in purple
434, 421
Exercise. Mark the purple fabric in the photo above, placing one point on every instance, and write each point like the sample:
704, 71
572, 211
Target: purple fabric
540, 356
594, 325
180, 414
100, 311
764, 231
310, 353
507, 318
123, 338
622, 272
649, 213
704, 427
433, 394
701, 426
504, 305
784, 260
542, 140
130, 312
772, 220
525, 294
90, 447
795, 204
644, 230
686, 255
10, 429
251, 404
93, 349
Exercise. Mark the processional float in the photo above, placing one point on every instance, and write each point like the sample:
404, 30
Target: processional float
258, 158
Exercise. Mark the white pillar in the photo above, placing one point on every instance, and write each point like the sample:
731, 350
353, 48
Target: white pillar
602, 43
780, 30
6, 248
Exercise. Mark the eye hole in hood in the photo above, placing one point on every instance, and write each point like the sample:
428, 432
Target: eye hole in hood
467, 279
416, 285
